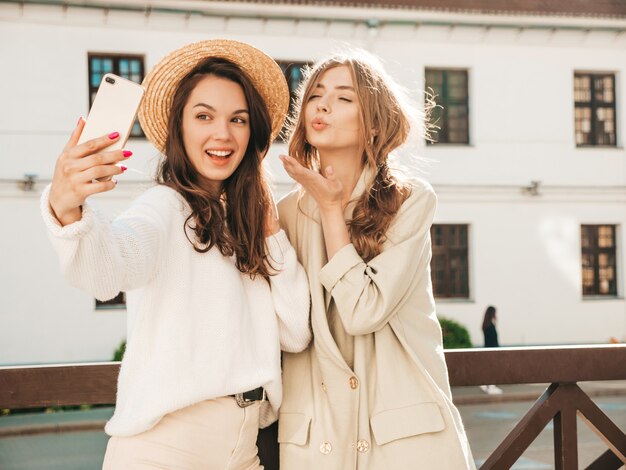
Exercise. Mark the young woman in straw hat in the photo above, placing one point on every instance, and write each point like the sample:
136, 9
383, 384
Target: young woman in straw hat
214, 289
371, 392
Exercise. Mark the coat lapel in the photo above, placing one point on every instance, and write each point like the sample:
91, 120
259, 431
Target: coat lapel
313, 257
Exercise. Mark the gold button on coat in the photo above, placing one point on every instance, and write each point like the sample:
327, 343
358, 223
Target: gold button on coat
325, 448
362, 445
354, 382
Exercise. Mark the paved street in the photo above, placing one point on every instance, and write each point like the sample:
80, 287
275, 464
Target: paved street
487, 423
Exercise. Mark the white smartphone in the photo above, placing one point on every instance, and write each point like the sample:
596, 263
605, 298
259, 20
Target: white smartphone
113, 110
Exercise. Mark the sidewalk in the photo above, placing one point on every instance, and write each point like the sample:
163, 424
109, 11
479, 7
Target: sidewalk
94, 419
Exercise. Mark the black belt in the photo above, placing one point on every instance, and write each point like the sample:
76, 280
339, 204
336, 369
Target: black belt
248, 398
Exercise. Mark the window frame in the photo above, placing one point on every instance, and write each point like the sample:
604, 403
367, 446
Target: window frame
449, 252
593, 105
286, 66
595, 251
116, 57
443, 101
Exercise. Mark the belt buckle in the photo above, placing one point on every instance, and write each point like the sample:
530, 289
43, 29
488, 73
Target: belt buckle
244, 402
241, 401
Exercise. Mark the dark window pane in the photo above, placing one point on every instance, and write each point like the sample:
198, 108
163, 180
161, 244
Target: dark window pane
293, 72
96, 78
129, 67
582, 88
586, 236
449, 265
434, 78
606, 236
598, 260
124, 67
451, 115
594, 113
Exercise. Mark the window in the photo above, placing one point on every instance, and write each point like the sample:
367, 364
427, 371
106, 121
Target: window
598, 260
129, 67
449, 265
594, 109
294, 75
118, 302
451, 115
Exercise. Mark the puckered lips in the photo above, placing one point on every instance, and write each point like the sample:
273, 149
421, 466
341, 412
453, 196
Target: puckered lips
319, 124
219, 156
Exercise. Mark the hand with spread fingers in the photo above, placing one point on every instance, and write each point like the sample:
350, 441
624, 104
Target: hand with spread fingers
326, 189
78, 171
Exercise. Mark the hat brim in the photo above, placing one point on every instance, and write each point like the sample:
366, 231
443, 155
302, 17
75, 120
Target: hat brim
163, 80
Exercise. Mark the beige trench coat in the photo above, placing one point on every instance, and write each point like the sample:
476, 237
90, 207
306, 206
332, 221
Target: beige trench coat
394, 410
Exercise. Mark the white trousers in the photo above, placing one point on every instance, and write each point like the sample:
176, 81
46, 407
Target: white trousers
210, 435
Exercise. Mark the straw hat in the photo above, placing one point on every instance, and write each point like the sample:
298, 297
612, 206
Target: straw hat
162, 81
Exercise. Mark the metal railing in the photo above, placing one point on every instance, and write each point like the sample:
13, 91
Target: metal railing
562, 401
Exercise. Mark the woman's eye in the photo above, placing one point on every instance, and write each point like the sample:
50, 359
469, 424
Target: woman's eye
239, 120
313, 97
203, 117
343, 98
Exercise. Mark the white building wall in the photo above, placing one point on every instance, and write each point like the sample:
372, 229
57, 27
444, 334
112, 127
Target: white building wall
525, 260
524, 250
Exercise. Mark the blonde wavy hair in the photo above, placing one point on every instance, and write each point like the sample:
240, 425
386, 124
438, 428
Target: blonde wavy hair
386, 121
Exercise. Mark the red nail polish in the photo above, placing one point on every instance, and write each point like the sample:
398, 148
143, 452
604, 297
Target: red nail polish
127, 153
123, 168
114, 135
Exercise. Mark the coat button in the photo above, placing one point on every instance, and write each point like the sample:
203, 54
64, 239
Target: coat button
325, 448
362, 445
354, 382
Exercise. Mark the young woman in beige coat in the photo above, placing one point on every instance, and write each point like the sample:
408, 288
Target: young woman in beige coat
371, 392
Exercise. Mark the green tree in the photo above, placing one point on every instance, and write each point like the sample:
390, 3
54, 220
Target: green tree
455, 335
119, 352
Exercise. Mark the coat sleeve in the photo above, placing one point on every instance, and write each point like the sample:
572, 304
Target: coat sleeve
290, 293
102, 257
367, 295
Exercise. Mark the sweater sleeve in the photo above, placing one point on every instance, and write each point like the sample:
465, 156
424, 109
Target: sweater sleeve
290, 293
102, 257
367, 295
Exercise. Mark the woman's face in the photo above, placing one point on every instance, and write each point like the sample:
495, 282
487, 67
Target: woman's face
332, 112
216, 128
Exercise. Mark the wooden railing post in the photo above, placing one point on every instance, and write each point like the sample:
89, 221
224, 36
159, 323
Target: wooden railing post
565, 432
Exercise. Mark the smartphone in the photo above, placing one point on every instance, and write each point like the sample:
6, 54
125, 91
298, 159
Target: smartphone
113, 110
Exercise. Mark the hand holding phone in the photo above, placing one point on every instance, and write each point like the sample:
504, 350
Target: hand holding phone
90, 157
113, 110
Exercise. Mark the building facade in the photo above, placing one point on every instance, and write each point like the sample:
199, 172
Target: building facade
529, 166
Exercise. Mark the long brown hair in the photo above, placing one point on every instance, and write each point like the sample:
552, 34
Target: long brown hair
234, 220
385, 125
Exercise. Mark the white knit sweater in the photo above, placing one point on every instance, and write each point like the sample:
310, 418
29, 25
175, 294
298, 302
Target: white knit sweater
197, 327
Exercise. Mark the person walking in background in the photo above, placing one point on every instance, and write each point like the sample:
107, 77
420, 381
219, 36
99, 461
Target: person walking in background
372, 391
214, 287
491, 341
